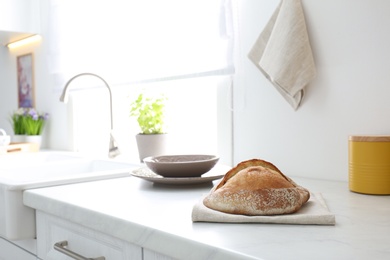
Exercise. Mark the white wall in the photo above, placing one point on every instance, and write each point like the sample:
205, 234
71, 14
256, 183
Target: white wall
350, 96
46, 99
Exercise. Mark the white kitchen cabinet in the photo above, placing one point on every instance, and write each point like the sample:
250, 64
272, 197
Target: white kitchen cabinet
19, 19
80, 240
83, 241
10, 251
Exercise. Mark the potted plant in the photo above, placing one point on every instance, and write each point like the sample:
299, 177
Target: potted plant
33, 124
17, 125
27, 122
150, 115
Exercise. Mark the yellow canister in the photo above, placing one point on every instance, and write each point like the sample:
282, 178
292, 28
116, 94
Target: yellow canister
369, 164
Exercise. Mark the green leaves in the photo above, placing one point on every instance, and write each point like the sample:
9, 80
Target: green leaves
17, 124
33, 126
149, 113
27, 121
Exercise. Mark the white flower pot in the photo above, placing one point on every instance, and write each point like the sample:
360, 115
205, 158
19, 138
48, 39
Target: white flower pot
34, 139
151, 145
18, 139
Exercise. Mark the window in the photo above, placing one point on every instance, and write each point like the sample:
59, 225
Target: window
180, 47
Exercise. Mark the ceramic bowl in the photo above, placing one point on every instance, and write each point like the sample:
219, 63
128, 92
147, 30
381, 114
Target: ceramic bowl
181, 165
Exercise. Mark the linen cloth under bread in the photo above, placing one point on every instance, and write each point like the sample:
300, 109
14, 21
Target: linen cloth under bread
283, 53
313, 212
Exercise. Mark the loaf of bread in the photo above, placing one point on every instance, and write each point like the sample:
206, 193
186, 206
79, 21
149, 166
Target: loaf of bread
256, 187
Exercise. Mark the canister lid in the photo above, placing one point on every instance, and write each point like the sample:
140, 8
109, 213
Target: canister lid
370, 138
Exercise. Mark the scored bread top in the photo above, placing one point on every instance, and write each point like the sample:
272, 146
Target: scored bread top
256, 187
246, 164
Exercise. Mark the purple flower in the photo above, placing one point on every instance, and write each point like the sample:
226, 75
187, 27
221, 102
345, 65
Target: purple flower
34, 115
46, 116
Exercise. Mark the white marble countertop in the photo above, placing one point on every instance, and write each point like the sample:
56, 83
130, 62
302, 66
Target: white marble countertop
158, 217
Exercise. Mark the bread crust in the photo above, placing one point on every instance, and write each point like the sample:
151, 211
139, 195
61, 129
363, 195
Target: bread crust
256, 187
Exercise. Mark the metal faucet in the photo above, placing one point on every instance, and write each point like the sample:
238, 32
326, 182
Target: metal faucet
113, 147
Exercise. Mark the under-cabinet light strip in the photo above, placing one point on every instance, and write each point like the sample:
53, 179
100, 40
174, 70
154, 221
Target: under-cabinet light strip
24, 41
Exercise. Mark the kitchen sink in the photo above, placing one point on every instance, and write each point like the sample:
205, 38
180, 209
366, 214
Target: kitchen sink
12, 159
30, 171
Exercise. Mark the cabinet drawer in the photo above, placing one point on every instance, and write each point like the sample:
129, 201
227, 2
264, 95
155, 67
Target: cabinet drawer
81, 240
151, 255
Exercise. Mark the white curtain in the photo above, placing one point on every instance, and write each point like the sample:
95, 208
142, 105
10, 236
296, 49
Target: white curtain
132, 41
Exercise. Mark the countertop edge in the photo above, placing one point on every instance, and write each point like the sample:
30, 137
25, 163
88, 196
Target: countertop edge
140, 234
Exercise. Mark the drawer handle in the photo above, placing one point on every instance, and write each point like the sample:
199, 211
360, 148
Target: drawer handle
61, 247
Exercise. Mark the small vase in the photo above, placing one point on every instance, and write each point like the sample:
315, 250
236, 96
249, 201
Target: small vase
18, 139
151, 145
37, 139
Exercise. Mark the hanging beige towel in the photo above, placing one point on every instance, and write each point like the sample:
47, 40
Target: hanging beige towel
283, 53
